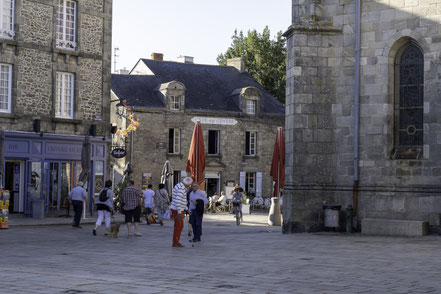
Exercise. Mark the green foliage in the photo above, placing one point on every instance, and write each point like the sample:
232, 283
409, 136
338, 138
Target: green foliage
265, 59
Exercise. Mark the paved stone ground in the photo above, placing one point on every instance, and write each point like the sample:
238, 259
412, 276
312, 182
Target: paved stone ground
251, 258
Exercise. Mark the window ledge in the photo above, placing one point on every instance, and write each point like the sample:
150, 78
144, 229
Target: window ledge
255, 157
214, 155
67, 51
66, 120
171, 155
9, 115
407, 153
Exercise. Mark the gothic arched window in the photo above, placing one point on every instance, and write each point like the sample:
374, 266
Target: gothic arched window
409, 105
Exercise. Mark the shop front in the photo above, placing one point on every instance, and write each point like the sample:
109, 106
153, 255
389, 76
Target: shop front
45, 168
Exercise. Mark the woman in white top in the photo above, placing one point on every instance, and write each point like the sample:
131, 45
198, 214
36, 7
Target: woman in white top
105, 208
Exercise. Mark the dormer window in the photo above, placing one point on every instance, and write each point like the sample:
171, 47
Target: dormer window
175, 102
251, 106
7, 19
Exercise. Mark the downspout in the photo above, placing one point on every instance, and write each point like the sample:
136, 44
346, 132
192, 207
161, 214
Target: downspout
356, 106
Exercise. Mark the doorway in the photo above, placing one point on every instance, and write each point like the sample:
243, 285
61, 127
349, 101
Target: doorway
212, 186
14, 182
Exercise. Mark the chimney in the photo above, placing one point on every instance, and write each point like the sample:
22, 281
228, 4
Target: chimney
186, 59
157, 56
237, 62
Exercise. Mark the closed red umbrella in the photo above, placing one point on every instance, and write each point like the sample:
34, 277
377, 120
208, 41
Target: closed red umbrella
196, 155
278, 163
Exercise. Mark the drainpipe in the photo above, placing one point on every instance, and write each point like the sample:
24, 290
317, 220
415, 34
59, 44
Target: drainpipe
356, 105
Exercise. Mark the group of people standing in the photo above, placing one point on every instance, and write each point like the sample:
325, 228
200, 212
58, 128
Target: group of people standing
186, 197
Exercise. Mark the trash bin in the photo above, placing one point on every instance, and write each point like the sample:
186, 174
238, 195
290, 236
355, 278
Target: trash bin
37, 208
332, 215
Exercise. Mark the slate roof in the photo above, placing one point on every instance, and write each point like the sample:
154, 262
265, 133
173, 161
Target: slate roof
208, 87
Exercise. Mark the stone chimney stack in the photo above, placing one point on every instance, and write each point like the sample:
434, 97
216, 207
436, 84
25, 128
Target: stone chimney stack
237, 62
186, 59
157, 56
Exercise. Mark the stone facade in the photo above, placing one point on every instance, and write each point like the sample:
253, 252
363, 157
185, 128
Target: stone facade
35, 59
54, 91
324, 162
225, 115
151, 141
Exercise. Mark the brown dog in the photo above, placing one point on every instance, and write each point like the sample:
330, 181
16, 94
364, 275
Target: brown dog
114, 230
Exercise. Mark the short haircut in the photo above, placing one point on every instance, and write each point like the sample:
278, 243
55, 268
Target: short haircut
108, 184
131, 182
187, 181
150, 186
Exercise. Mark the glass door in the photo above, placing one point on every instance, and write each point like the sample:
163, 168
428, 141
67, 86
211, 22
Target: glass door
53, 203
34, 180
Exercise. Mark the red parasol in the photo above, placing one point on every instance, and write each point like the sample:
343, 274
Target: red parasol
278, 163
196, 155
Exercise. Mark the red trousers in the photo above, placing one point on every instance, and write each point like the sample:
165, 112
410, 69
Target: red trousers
179, 225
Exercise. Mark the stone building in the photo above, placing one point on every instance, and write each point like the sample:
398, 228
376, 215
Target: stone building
54, 90
363, 121
239, 119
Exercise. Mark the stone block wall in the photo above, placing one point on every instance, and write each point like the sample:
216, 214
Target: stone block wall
36, 59
320, 114
153, 132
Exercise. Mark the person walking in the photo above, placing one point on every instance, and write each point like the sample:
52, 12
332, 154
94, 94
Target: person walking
198, 200
161, 202
131, 197
148, 202
177, 208
78, 195
104, 206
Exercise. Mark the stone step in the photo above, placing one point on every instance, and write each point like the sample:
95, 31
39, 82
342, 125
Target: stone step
389, 227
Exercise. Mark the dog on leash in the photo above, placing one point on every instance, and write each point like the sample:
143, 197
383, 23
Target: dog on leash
114, 230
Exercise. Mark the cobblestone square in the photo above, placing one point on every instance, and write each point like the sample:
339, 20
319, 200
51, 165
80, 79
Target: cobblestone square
250, 258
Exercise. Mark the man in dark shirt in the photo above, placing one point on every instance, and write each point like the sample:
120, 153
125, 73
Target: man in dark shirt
131, 197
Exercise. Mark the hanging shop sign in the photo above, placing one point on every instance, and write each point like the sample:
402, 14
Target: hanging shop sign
118, 152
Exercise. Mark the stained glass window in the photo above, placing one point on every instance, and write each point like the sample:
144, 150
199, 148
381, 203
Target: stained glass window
411, 97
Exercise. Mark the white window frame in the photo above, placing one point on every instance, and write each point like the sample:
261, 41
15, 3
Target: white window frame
7, 29
61, 97
252, 148
67, 40
217, 142
175, 102
250, 181
176, 141
8, 69
251, 106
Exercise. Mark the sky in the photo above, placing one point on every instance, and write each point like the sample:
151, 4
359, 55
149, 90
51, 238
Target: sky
198, 28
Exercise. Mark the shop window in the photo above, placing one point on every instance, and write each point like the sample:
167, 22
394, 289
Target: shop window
7, 19
175, 102
64, 99
5, 87
174, 141
66, 24
250, 143
213, 142
409, 104
251, 106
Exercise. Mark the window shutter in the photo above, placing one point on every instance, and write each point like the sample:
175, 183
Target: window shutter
170, 140
242, 179
247, 143
258, 184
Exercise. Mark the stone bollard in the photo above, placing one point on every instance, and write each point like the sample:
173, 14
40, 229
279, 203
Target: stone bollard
274, 216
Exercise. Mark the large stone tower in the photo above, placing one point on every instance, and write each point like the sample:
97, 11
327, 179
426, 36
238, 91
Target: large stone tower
361, 122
